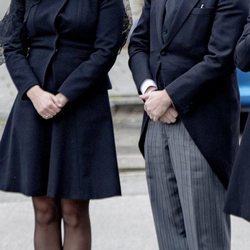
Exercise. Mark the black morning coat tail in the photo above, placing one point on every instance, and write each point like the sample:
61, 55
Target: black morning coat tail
238, 197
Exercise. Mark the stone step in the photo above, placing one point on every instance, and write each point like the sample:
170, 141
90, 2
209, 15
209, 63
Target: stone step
130, 162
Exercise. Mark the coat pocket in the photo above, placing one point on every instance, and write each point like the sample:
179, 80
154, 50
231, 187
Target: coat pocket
203, 11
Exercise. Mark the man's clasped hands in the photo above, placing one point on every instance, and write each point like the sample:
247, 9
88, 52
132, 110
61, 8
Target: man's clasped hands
46, 104
159, 106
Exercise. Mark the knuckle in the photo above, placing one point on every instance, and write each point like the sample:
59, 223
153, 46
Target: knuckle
43, 110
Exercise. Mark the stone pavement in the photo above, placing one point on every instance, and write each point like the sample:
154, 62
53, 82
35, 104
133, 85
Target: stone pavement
122, 223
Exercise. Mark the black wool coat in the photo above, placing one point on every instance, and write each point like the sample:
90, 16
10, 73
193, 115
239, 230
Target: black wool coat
65, 46
238, 197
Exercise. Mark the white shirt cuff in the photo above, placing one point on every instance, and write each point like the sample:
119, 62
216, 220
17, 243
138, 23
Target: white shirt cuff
146, 84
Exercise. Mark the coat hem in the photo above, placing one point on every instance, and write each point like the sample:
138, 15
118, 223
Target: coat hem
238, 214
62, 196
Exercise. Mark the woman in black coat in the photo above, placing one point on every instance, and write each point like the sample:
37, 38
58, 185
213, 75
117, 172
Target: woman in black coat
238, 198
58, 144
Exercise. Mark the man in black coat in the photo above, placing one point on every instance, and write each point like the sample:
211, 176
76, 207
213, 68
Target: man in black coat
181, 57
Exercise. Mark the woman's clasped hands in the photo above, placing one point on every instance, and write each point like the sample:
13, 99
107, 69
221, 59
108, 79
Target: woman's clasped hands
46, 104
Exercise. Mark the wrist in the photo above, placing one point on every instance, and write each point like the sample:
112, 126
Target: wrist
167, 97
33, 91
150, 89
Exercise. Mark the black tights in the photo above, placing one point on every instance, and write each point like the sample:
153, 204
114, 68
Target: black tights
49, 214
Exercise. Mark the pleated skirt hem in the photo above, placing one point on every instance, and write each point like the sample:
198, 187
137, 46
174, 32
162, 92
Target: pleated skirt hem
62, 196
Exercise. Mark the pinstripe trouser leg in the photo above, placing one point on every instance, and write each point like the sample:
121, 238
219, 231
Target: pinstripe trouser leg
187, 198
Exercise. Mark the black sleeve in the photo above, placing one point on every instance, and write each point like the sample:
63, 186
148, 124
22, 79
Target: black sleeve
15, 51
139, 48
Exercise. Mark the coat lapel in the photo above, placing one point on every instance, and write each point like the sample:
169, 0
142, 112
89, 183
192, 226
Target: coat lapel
180, 18
159, 18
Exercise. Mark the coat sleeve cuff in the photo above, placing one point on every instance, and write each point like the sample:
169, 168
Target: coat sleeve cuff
23, 91
71, 96
177, 101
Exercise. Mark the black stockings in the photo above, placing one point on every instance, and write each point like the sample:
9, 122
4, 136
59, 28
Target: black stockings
48, 216
76, 225
47, 224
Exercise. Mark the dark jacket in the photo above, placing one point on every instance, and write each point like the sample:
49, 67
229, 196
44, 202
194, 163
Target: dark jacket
65, 46
197, 69
238, 198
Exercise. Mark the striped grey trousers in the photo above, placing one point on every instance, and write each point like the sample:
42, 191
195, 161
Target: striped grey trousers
186, 196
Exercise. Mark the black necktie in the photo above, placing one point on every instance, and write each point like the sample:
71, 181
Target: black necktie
171, 8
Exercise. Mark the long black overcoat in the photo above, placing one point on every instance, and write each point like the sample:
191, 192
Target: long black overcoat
238, 197
65, 46
197, 69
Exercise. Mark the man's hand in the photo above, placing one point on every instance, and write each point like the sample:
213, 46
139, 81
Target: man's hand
170, 116
156, 103
150, 89
43, 102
